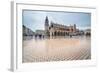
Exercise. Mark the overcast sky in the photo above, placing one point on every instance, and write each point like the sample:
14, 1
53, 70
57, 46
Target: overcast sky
35, 19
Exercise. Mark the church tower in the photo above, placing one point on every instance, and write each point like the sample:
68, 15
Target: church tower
74, 27
47, 26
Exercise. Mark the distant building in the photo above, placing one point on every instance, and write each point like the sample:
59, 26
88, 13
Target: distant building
87, 32
55, 29
40, 33
27, 31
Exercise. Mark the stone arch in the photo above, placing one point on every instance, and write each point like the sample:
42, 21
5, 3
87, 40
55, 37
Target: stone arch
58, 33
55, 33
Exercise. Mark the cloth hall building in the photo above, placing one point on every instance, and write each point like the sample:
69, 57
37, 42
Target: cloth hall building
55, 29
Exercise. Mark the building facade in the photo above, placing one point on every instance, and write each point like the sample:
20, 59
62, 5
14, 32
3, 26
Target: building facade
27, 31
55, 29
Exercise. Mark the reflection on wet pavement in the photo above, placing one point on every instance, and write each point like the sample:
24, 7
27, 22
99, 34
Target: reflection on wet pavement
57, 49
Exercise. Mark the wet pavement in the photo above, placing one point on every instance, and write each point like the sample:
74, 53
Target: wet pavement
56, 49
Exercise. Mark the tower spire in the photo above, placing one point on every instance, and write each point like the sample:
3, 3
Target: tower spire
46, 22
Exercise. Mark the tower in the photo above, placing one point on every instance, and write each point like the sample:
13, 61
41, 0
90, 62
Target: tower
47, 26
74, 28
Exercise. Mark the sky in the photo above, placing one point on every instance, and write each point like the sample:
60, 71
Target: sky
35, 20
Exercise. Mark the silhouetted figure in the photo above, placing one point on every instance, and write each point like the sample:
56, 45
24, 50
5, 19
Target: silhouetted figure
40, 36
35, 36
70, 36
